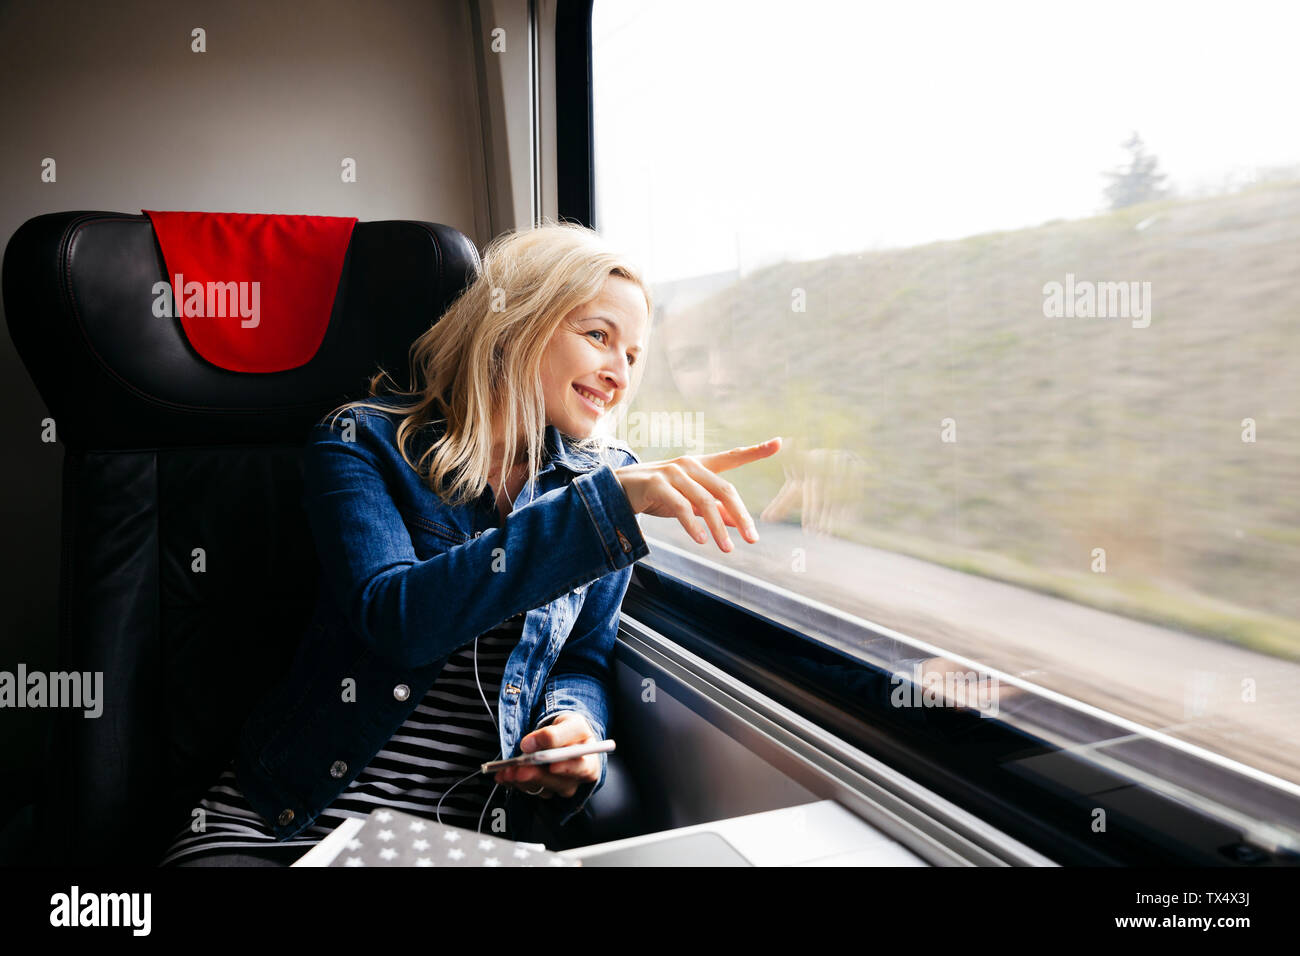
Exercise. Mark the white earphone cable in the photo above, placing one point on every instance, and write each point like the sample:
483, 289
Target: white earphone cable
438, 810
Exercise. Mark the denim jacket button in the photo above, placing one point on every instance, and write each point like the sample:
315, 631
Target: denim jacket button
285, 818
338, 768
401, 692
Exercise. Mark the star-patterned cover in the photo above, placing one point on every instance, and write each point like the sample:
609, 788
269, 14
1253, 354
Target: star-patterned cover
394, 838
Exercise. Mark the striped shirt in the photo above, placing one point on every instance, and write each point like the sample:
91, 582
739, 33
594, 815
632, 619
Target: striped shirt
442, 742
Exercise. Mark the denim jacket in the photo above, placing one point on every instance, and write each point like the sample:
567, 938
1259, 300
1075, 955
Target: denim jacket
407, 581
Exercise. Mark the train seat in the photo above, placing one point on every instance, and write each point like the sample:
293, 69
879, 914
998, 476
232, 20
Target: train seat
166, 453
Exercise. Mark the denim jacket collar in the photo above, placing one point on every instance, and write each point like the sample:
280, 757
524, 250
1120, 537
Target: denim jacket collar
557, 449
560, 451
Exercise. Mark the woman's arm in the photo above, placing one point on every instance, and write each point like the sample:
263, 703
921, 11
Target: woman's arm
413, 612
582, 676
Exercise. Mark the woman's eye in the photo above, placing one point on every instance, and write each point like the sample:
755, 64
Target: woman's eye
631, 359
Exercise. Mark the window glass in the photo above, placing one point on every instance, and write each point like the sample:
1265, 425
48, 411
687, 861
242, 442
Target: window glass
1017, 284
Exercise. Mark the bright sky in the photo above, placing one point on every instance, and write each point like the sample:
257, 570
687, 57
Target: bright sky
737, 134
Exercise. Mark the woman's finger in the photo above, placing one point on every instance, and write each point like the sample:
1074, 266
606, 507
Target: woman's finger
530, 778
677, 505
586, 768
702, 501
725, 493
575, 766
566, 729
722, 460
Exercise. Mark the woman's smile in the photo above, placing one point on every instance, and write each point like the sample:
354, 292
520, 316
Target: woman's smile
586, 369
590, 399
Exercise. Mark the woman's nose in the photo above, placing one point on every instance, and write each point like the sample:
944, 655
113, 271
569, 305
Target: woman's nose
616, 378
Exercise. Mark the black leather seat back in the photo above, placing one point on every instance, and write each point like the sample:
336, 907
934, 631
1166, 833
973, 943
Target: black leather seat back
188, 572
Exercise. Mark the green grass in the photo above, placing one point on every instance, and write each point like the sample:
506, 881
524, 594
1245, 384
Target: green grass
1071, 433
1163, 606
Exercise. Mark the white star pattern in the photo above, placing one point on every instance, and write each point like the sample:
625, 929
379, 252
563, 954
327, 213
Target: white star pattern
408, 840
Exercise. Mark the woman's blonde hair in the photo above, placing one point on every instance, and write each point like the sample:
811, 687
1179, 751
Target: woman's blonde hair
481, 362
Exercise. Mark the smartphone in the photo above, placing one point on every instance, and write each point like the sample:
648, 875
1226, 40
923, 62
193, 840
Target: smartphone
554, 755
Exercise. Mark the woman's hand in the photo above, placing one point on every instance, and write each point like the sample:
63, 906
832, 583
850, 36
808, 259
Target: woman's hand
563, 777
687, 486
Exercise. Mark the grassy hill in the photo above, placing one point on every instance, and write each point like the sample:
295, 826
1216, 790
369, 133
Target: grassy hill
1071, 433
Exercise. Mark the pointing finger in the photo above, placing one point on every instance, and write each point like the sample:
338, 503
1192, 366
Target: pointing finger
722, 460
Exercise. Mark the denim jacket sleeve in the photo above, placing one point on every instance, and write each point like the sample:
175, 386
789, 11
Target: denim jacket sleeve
582, 676
414, 612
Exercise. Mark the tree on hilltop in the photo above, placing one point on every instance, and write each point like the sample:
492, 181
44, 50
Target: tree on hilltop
1139, 181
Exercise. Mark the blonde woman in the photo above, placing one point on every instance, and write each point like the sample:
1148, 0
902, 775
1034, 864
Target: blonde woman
476, 537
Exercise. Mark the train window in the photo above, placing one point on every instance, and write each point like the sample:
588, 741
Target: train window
1016, 285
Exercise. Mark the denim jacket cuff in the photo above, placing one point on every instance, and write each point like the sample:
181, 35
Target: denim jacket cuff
613, 517
551, 716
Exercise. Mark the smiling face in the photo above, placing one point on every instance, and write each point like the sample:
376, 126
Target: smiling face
594, 348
